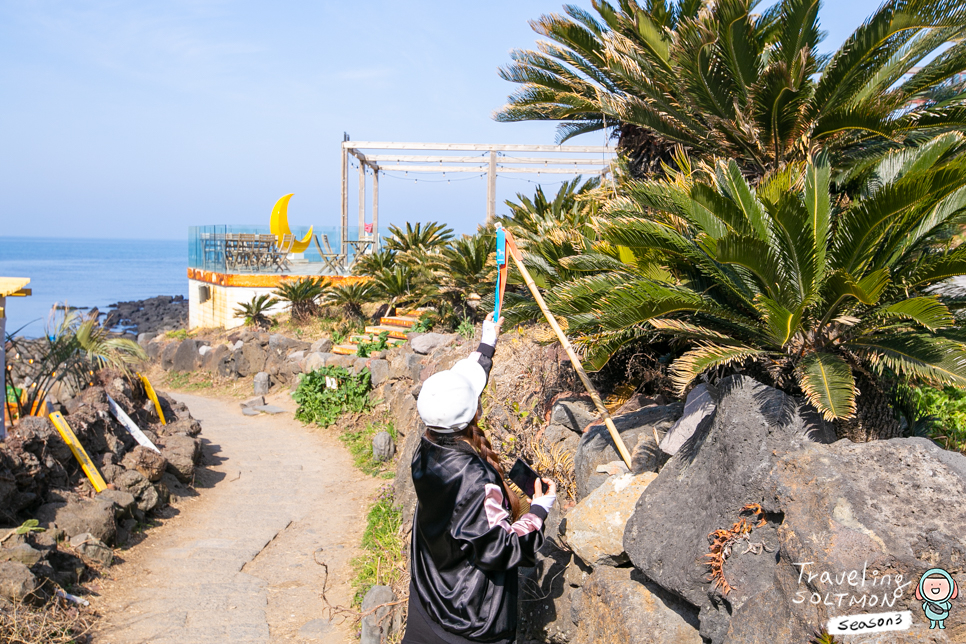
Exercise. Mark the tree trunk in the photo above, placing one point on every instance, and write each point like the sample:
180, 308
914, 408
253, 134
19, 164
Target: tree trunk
875, 417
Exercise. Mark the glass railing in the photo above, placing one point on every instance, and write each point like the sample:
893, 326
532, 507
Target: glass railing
255, 250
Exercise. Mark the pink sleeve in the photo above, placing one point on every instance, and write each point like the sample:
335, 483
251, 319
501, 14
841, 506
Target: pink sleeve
496, 514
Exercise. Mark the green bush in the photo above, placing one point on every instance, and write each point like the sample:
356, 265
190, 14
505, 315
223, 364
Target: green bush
380, 343
322, 404
382, 560
942, 415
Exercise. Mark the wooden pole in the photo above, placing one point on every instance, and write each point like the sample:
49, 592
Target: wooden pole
511, 246
375, 209
491, 188
362, 199
345, 199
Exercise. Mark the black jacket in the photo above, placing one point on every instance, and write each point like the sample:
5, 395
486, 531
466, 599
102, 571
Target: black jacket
465, 551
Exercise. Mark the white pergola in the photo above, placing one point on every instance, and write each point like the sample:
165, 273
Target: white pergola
493, 160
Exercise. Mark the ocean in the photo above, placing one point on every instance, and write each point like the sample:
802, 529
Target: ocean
88, 272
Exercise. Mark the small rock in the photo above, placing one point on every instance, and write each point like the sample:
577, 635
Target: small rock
322, 346
186, 356
597, 448
202, 350
383, 446
183, 426
312, 361
91, 548
379, 370
123, 502
83, 515
238, 345
146, 461
250, 411
21, 553
595, 526
262, 383
317, 629
426, 342
572, 414
268, 409
613, 468
376, 626
296, 356
697, 409
254, 402
359, 364
16, 581
621, 605
137, 485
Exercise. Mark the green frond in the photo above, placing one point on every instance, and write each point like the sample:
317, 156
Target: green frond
826, 380
928, 357
706, 356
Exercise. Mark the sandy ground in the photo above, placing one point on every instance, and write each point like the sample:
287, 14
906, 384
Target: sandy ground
240, 562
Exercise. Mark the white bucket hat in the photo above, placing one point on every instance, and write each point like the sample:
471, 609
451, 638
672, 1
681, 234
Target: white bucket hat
448, 400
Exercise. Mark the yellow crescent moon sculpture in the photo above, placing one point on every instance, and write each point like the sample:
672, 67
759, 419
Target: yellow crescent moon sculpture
279, 225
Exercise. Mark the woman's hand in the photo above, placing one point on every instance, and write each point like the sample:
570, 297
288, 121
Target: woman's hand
538, 488
491, 330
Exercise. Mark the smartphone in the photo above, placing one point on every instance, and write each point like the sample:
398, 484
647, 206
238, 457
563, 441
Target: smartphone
524, 477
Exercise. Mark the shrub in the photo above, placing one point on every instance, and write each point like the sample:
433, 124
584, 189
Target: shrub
327, 393
941, 415
378, 344
254, 312
302, 296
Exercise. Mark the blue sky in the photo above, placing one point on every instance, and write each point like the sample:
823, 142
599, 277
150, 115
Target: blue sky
138, 119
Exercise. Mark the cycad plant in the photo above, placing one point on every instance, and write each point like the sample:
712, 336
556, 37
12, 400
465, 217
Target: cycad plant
73, 348
724, 81
369, 264
255, 312
548, 231
465, 271
824, 297
302, 296
351, 297
401, 285
417, 241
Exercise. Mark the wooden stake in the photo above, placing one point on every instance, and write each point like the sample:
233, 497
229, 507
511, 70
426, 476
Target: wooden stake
574, 359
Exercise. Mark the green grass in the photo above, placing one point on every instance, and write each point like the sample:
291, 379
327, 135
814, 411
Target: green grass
178, 334
190, 380
382, 561
359, 444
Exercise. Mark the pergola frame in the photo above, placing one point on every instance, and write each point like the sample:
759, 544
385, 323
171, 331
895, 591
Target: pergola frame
489, 162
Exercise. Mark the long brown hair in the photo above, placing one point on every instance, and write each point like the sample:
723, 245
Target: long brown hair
476, 438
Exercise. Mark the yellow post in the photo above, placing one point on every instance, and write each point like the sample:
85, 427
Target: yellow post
565, 343
85, 461
149, 390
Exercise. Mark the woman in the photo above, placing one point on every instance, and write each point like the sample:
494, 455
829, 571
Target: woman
468, 535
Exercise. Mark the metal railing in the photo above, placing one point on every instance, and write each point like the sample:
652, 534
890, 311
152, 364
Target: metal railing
255, 250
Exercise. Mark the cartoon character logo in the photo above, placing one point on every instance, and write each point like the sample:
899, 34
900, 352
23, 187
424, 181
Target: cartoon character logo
936, 588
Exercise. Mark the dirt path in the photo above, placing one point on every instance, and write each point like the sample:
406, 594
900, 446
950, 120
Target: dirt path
237, 563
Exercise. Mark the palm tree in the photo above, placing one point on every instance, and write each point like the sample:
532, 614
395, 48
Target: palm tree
302, 296
73, 348
723, 81
255, 312
351, 297
821, 297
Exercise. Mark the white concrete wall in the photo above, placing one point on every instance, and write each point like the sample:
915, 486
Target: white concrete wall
219, 310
